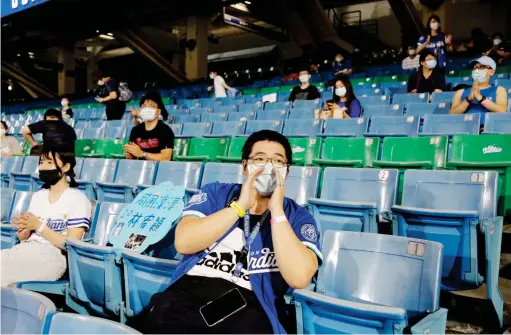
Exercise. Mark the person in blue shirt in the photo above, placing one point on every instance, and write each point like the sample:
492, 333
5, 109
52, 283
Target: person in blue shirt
341, 65
247, 241
482, 97
435, 41
344, 103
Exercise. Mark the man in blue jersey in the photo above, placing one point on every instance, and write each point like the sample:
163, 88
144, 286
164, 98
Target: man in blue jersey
245, 247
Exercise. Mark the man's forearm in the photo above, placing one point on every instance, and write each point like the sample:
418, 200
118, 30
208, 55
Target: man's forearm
460, 108
493, 107
30, 139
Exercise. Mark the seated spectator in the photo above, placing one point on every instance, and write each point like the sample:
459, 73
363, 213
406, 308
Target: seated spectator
305, 91
341, 65
427, 79
56, 212
56, 133
499, 51
435, 41
155, 96
344, 103
482, 98
411, 62
153, 139
313, 68
219, 85
281, 252
67, 112
9, 145
109, 96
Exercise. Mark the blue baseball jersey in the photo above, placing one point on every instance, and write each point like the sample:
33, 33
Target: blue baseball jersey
261, 270
344, 65
438, 46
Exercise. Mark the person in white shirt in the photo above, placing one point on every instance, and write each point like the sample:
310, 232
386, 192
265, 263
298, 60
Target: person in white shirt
55, 212
412, 61
219, 85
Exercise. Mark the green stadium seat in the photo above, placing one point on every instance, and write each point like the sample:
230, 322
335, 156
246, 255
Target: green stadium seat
204, 149
305, 150
234, 151
268, 90
287, 88
348, 152
251, 91
111, 148
83, 148
485, 152
180, 146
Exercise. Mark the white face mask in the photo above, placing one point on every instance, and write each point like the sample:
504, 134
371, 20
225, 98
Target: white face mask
340, 91
64, 103
434, 25
212, 76
411, 52
431, 64
266, 182
147, 114
497, 41
304, 78
339, 59
2, 132
479, 75
101, 82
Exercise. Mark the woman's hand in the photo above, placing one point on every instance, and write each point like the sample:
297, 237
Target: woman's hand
23, 234
26, 221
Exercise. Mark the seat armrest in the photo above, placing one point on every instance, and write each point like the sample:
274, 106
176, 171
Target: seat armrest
337, 135
396, 209
114, 185
454, 164
409, 164
345, 204
228, 159
384, 135
53, 287
433, 323
332, 162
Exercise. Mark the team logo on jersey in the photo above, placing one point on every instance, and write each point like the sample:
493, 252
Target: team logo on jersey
309, 233
197, 199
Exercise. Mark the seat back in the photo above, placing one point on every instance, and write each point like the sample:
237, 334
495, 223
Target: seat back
213, 117
439, 97
383, 110
20, 203
362, 150
25, 312
346, 127
278, 105
70, 323
93, 133
235, 148
304, 149
307, 103
222, 173
420, 109
249, 108
105, 218
253, 126
176, 128
416, 149
374, 100
498, 123
272, 114
394, 126
229, 128
200, 110
481, 149
208, 148
302, 183
98, 170
196, 129
135, 172
302, 113
115, 132
225, 109
407, 98
451, 124
242, 116
11, 164
187, 118
187, 174
7, 198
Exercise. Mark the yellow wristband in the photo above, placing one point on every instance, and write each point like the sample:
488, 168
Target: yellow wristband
238, 209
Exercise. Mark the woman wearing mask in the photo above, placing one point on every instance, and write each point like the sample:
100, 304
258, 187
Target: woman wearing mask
9, 145
426, 79
499, 51
56, 212
344, 103
67, 112
482, 98
435, 41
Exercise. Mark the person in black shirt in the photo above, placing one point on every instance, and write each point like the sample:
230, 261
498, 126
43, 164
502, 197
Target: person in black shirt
305, 91
427, 79
57, 135
67, 112
152, 139
499, 51
109, 96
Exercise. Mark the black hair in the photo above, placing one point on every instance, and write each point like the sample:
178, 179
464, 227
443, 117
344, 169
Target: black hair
97, 75
36, 150
425, 53
155, 97
5, 126
428, 25
68, 100
65, 157
267, 135
497, 33
52, 112
350, 95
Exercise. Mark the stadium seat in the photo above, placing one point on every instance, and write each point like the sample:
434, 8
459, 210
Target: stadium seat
187, 118
457, 209
233, 102
119, 123
227, 129
345, 127
463, 124
20, 202
115, 132
69, 323
95, 170
249, 107
348, 152
497, 123
213, 117
200, 110
383, 126
374, 284
383, 110
8, 165
204, 149
226, 109
438, 97
190, 103
81, 124
93, 133
176, 128
304, 149
302, 183
108, 148
404, 99
253, 126
302, 128
98, 124
187, 174
490, 152
355, 199
22, 181
128, 175
241, 116
7, 197
210, 103
222, 173
25, 312
375, 100
311, 104
234, 151
195, 129
272, 114
278, 105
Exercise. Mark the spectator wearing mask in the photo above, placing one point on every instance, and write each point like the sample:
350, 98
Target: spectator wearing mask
482, 98
341, 65
427, 79
109, 96
56, 212
305, 91
247, 241
56, 133
499, 52
411, 62
67, 112
435, 41
219, 85
153, 139
9, 145
155, 96
344, 103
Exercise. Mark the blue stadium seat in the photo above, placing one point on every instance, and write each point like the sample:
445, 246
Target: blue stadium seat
302, 128
252, 100
459, 210
228, 128
419, 109
381, 126
128, 175
190, 103
375, 100
119, 123
69, 323
179, 112
497, 123
93, 133
278, 105
360, 92
438, 97
25, 312
241, 116
355, 199
115, 132
302, 113
210, 103
234, 102
506, 83
307, 103
222, 173
95, 170
273, 114
345, 127
302, 183
249, 107
98, 124
6, 197
404, 99
176, 128
253, 126
282, 96
374, 284
9, 165
20, 204
383, 110
22, 181
81, 124
226, 109
195, 129
187, 174
391, 91
213, 117
97, 114
187, 118
462, 124
200, 110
